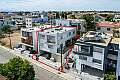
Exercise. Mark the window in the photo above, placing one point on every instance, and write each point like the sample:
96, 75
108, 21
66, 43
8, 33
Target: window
42, 36
73, 32
108, 29
50, 46
85, 49
50, 39
69, 33
61, 37
24, 34
82, 57
41, 45
97, 61
98, 28
96, 49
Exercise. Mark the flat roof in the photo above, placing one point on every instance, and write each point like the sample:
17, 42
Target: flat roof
115, 40
46, 28
103, 42
57, 30
102, 39
108, 24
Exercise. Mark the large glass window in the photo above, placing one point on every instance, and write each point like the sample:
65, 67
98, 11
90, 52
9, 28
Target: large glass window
85, 49
50, 46
69, 33
97, 61
42, 36
108, 29
97, 49
50, 39
98, 28
24, 34
82, 57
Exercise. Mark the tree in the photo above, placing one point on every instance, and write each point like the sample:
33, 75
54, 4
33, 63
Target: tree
7, 30
57, 15
90, 23
109, 18
109, 77
17, 69
110, 74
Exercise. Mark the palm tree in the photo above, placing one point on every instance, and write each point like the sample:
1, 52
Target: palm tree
7, 30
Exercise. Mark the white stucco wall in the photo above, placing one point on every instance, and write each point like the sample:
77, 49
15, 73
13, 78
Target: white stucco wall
104, 29
28, 22
62, 22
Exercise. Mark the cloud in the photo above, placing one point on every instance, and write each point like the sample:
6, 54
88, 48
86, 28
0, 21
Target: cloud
59, 5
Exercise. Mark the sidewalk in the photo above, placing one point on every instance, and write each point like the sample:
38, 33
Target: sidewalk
63, 76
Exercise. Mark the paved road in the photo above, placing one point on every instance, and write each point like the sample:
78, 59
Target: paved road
41, 74
5, 55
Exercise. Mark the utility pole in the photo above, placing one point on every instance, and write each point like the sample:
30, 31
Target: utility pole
61, 46
51, 19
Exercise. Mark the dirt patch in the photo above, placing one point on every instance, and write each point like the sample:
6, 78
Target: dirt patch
15, 39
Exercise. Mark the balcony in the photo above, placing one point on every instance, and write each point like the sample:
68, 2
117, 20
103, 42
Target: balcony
51, 39
28, 41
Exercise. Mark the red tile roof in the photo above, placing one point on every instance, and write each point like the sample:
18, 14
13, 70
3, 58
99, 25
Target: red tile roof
108, 24
2, 77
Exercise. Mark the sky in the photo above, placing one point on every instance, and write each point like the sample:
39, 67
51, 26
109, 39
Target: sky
58, 5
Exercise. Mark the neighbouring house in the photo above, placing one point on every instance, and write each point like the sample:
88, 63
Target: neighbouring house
18, 21
99, 18
31, 22
91, 51
107, 27
35, 14
79, 23
117, 18
96, 51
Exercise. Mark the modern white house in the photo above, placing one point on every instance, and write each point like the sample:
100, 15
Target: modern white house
28, 38
47, 40
50, 40
91, 51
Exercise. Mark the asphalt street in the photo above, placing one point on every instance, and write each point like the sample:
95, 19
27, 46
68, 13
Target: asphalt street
41, 74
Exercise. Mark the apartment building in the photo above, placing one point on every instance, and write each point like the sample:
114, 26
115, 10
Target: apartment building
91, 51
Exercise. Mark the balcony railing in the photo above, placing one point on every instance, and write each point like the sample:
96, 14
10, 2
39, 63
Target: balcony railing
28, 41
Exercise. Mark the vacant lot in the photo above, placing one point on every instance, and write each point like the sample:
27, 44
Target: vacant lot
15, 38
